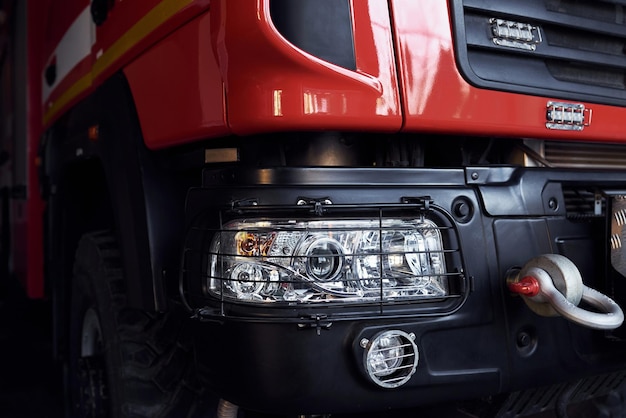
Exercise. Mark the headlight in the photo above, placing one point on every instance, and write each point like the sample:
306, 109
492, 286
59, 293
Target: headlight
328, 260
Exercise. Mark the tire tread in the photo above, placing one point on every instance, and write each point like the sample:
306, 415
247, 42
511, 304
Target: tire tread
157, 370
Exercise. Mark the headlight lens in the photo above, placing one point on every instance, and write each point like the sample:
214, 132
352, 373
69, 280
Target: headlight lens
328, 260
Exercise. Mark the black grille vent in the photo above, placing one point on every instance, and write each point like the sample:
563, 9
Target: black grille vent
575, 73
564, 154
583, 204
602, 11
578, 54
572, 39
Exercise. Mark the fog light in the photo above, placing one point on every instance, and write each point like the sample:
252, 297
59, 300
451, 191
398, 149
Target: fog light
390, 358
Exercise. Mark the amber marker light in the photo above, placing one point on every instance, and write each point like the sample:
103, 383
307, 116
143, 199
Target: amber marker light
93, 133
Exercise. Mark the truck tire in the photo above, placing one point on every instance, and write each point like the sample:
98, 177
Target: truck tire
124, 362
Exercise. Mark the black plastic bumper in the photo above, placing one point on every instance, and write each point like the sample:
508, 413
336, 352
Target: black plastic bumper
309, 360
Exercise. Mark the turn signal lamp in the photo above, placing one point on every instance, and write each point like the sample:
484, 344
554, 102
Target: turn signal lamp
317, 261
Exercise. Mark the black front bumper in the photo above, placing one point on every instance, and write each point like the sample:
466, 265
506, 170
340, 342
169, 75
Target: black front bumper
303, 359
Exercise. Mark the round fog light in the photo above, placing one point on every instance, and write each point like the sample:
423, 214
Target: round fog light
390, 358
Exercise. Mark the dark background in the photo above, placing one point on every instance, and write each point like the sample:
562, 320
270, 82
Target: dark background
30, 383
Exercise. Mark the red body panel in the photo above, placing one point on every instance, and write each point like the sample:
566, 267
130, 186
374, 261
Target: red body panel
144, 24
27, 222
197, 73
252, 80
58, 42
273, 86
438, 99
130, 28
286, 89
189, 101
270, 85
56, 20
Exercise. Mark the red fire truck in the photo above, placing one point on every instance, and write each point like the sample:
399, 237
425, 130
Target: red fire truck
313, 207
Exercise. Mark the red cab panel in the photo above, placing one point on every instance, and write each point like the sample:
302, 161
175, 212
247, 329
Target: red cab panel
27, 207
272, 85
188, 101
231, 71
438, 99
79, 55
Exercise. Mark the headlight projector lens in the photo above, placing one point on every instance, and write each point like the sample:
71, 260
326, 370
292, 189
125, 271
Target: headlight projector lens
324, 259
390, 358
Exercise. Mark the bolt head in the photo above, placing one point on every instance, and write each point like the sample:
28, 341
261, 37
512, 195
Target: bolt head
523, 339
553, 203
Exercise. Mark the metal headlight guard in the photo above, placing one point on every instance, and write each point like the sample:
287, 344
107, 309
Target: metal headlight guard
330, 260
318, 262
401, 258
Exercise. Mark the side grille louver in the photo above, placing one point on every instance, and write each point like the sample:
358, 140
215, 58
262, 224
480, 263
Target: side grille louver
580, 53
603, 11
585, 155
581, 203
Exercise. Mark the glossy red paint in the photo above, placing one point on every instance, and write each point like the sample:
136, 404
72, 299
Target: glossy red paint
27, 227
270, 85
273, 86
54, 47
57, 21
189, 102
121, 18
436, 98
131, 28
80, 70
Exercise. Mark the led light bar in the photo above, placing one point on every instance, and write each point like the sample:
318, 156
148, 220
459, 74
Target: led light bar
567, 116
515, 34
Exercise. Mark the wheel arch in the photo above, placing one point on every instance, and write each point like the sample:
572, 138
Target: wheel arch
97, 174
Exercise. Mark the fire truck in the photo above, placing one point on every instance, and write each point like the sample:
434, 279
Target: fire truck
319, 207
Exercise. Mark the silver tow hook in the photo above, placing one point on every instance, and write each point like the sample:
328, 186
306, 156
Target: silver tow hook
551, 285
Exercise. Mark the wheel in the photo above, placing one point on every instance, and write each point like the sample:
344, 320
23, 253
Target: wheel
124, 362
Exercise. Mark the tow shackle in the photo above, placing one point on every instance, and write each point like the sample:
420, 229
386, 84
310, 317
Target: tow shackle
551, 285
